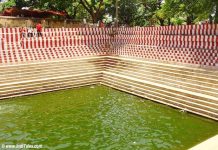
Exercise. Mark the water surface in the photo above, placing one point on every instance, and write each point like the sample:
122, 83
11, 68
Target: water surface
98, 117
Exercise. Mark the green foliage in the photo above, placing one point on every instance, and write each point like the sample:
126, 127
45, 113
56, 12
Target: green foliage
81, 13
131, 12
8, 4
128, 11
25, 3
191, 11
96, 8
1, 7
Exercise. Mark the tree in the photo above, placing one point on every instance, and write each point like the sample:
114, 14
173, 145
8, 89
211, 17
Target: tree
96, 8
215, 4
8, 4
128, 11
189, 11
131, 12
136, 12
25, 3
150, 8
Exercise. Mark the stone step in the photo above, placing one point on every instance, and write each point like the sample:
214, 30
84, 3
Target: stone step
206, 108
153, 97
8, 84
209, 144
187, 93
29, 65
176, 76
174, 67
162, 76
192, 89
210, 79
205, 89
50, 89
42, 73
146, 92
169, 93
35, 85
46, 66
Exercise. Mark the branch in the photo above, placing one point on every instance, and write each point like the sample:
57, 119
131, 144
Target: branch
87, 6
101, 3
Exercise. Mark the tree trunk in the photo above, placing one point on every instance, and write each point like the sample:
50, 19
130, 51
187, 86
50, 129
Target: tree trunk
161, 22
169, 22
189, 20
94, 18
210, 19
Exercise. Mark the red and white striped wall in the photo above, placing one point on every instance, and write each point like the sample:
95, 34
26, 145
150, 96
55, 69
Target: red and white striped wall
193, 44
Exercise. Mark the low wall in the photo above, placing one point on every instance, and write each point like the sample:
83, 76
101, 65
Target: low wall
141, 61
26, 22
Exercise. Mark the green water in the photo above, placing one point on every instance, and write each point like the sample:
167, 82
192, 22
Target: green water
99, 118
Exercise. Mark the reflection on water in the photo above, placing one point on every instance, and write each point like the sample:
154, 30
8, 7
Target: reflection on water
98, 117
